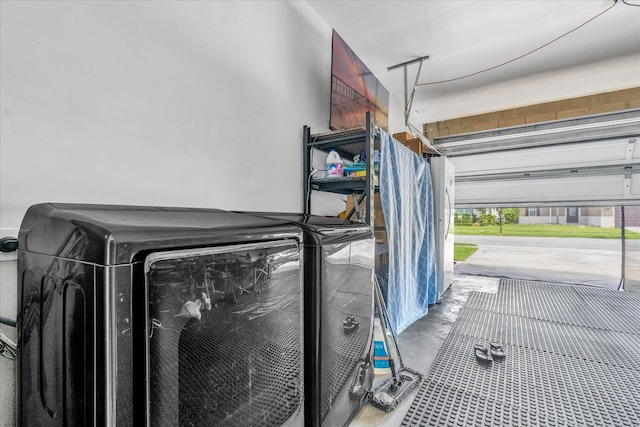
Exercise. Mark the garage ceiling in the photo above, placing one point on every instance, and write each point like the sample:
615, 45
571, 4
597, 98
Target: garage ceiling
464, 37
533, 52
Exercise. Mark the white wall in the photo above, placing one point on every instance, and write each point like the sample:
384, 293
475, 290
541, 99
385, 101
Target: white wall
598, 221
161, 103
155, 103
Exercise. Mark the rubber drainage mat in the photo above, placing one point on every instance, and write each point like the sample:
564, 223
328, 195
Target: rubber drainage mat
568, 369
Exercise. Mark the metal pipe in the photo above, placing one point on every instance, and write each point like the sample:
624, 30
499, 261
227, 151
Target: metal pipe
404, 64
624, 255
383, 320
413, 92
406, 102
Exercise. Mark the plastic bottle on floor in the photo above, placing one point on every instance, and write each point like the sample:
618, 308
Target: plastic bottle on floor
334, 165
380, 351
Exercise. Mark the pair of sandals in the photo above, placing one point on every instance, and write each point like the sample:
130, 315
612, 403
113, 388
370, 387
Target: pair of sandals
484, 355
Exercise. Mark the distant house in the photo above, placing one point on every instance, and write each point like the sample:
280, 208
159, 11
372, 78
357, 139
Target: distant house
606, 216
631, 216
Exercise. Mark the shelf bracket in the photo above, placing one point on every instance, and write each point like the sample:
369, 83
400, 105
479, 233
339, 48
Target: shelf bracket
408, 99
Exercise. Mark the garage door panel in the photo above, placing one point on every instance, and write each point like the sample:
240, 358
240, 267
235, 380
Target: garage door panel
592, 160
545, 158
503, 192
634, 186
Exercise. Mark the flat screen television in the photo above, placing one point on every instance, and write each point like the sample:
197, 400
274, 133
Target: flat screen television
354, 90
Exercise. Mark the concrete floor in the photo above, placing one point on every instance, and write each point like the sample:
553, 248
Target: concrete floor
419, 344
593, 262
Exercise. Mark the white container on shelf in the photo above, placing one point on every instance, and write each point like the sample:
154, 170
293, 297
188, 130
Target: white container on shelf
334, 165
376, 160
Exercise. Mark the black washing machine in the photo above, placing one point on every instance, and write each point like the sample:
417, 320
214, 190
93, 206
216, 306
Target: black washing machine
150, 316
339, 259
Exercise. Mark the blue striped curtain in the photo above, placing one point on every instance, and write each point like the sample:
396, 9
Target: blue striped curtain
406, 195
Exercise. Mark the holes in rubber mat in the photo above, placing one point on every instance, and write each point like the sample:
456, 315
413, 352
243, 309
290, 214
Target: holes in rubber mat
560, 369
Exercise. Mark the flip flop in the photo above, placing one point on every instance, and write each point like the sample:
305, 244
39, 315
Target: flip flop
482, 354
497, 352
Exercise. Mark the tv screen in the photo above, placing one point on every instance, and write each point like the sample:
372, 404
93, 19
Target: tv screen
354, 90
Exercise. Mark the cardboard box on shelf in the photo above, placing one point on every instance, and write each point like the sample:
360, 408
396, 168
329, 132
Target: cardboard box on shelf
402, 136
378, 218
381, 236
413, 144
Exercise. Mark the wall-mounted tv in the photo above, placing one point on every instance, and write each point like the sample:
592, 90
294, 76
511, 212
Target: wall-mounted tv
354, 90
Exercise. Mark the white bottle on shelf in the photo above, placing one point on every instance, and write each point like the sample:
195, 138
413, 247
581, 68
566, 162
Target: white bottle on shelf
334, 165
376, 159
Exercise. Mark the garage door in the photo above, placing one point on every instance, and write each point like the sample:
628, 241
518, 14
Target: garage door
587, 161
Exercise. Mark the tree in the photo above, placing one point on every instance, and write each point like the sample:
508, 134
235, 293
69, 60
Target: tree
511, 215
487, 219
465, 219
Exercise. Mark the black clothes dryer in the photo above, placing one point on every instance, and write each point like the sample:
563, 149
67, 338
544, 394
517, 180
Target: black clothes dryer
152, 316
339, 314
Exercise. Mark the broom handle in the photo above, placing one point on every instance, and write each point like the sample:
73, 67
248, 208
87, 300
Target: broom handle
385, 315
380, 304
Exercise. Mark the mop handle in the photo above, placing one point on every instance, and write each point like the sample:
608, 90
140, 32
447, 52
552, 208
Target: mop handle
385, 316
380, 303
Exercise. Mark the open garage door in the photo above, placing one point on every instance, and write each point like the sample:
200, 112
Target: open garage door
587, 161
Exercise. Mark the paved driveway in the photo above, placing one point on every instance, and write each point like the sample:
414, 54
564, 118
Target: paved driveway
565, 260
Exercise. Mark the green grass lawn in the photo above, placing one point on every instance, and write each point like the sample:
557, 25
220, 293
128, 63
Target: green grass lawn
544, 230
462, 251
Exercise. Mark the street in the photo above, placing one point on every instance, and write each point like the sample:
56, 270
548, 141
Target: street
582, 261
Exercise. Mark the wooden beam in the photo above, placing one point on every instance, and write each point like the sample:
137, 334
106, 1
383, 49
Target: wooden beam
562, 109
